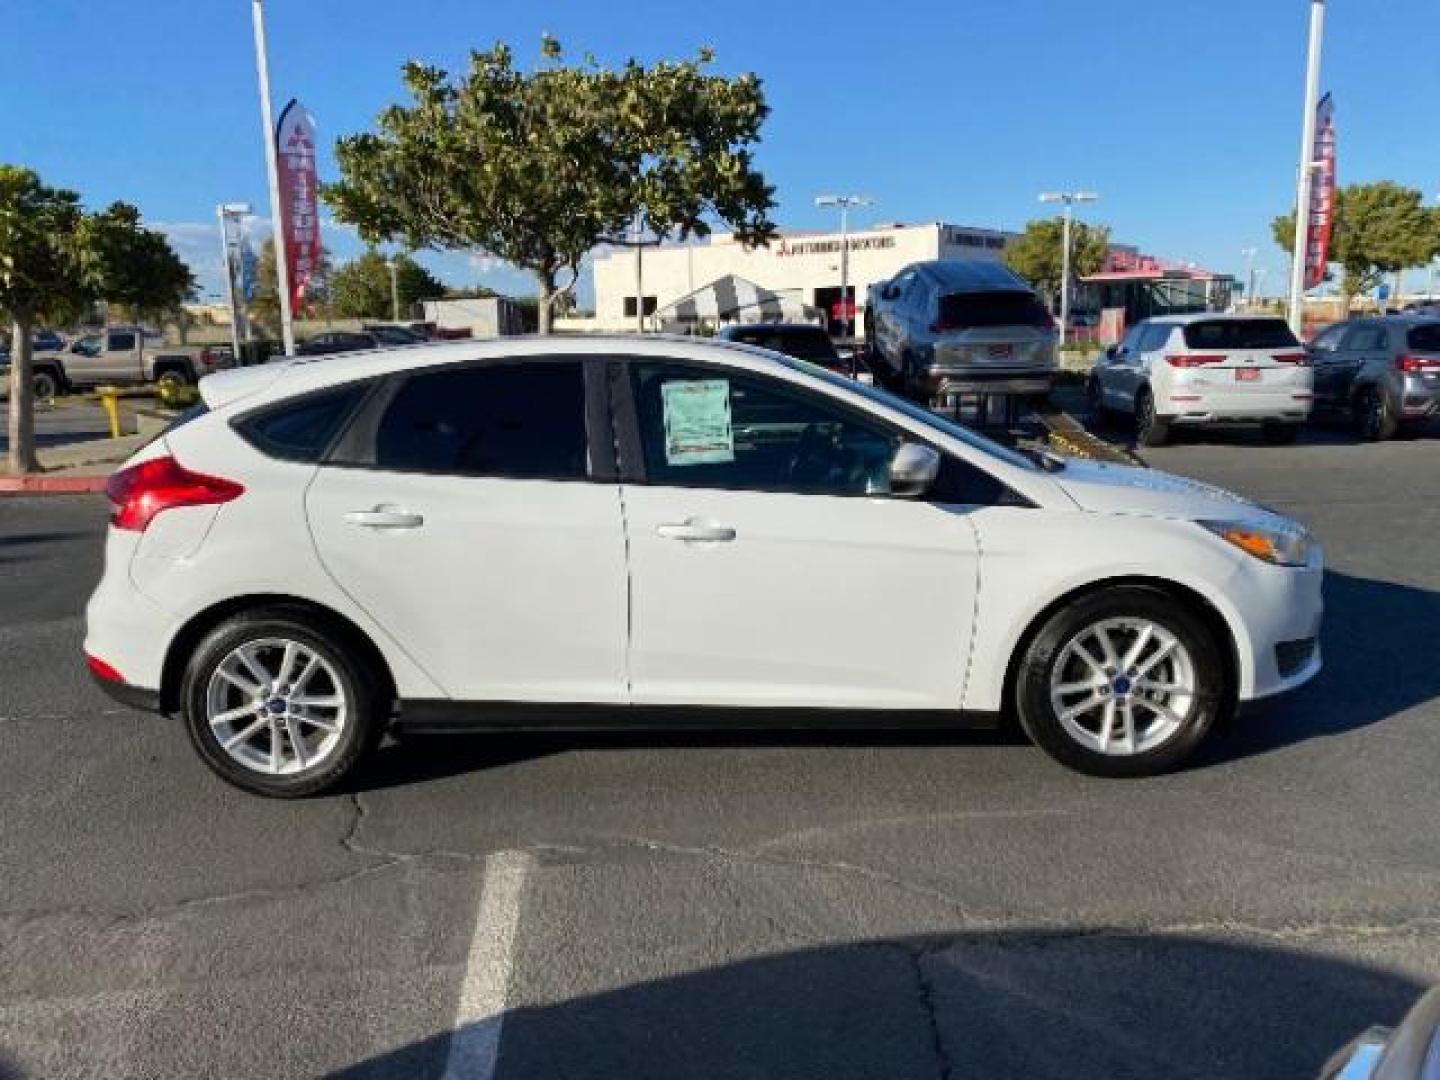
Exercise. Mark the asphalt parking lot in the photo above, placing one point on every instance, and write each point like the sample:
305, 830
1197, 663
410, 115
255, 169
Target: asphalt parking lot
732, 907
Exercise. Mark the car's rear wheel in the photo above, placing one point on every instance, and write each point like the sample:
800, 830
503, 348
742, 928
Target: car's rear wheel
1279, 434
279, 705
46, 384
1374, 418
1150, 429
1125, 682
173, 379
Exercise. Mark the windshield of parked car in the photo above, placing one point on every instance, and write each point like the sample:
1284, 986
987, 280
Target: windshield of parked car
807, 343
1425, 338
965, 311
1239, 334
915, 412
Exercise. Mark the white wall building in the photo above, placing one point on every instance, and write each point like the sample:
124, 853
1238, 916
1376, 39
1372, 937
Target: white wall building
803, 267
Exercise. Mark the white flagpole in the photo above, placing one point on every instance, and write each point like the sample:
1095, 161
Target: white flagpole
1307, 168
282, 261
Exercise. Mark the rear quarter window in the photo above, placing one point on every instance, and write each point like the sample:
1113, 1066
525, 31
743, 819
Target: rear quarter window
301, 429
1240, 334
1424, 338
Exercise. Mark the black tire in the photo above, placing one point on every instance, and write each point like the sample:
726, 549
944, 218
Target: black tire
1279, 434
367, 707
1150, 429
1099, 414
176, 376
1212, 701
1375, 420
46, 384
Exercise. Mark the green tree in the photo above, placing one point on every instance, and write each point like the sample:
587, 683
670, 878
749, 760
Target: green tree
361, 287
263, 309
539, 167
55, 258
1378, 229
1037, 256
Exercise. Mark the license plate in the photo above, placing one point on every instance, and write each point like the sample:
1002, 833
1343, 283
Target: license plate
999, 350
1247, 374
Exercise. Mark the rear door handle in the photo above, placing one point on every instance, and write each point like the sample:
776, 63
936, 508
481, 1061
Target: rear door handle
384, 519
694, 530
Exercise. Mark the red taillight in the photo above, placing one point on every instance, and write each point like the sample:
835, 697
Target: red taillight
1414, 365
142, 491
1301, 358
101, 670
1192, 360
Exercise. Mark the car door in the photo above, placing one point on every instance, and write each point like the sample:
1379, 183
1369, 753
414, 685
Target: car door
889, 316
83, 360
1326, 357
1120, 381
1362, 341
472, 510
769, 563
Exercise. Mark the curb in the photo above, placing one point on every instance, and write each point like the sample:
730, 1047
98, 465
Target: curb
40, 484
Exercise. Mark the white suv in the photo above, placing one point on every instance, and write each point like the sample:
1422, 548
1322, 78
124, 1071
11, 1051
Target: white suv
661, 533
1204, 369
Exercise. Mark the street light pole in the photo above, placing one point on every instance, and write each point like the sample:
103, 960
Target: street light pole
282, 260
1249, 254
1307, 167
843, 203
1069, 198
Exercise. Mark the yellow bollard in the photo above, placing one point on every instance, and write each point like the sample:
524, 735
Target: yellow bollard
110, 398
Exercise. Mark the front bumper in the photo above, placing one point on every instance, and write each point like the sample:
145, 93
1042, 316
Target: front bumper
1283, 607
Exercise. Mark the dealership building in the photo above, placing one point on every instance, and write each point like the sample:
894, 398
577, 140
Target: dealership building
718, 280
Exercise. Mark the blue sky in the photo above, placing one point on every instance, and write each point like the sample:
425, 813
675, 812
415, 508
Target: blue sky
1184, 116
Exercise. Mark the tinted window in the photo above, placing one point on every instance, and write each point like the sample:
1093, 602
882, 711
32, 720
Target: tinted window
1424, 338
726, 430
1239, 334
805, 343
1155, 337
962, 311
1328, 340
121, 342
87, 346
393, 335
1367, 338
525, 421
303, 429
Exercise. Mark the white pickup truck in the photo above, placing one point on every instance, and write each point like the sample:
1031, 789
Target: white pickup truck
122, 356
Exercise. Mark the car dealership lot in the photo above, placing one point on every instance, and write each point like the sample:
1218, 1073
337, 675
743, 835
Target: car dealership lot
889, 905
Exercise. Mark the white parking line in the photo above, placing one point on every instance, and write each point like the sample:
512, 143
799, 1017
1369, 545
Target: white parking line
475, 1038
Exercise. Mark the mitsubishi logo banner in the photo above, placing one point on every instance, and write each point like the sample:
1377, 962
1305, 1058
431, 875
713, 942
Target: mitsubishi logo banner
299, 199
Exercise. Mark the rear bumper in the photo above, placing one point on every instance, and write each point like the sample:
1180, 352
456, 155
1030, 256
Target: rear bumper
1199, 408
943, 382
132, 697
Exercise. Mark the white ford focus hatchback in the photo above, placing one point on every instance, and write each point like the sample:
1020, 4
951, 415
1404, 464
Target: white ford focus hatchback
662, 533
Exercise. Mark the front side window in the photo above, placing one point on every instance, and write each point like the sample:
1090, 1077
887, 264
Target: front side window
89, 345
725, 429
122, 342
522, 421
1328, 340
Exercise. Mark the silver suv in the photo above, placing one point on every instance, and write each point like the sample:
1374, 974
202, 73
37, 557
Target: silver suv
1381, 372
958, 326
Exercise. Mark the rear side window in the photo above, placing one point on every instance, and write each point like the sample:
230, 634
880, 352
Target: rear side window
523, 421
1424, 338
962, 311
803, 344
302, 429
1239, 334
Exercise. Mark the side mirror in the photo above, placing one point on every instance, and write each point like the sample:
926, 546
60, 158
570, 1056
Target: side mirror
913, 470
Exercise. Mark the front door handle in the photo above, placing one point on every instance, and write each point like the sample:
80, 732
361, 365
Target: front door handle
381, 518
697, 531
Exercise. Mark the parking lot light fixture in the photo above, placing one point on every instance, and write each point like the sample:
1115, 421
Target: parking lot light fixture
1069, 198
843, 203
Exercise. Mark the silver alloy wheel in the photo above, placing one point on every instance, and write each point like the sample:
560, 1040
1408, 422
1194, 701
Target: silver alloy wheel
276, 706
1123, 686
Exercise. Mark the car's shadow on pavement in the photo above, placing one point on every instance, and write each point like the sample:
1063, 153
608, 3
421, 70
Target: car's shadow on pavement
1378, 645
1026, 1003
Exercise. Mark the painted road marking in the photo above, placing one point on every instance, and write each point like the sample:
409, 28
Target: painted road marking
475, 1037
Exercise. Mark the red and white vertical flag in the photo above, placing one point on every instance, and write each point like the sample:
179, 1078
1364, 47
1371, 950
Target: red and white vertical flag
299, 199
1322, 195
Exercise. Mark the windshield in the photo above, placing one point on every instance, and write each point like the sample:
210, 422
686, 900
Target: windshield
915, 412
1240, 334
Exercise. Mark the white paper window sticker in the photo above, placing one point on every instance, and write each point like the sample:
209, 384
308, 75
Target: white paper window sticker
697, 422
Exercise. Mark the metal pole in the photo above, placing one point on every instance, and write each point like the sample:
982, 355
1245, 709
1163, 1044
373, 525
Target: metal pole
845, 272
282, 260
1065, 273
639, 275
1307, 167
230, 293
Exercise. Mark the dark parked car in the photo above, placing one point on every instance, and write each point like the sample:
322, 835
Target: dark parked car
1379, 372
338, 341
960, 326
800, 340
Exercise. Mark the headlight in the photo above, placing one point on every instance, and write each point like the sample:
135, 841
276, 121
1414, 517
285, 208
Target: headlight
1280, 546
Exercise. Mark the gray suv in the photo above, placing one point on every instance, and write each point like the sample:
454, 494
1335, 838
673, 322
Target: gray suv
1381, 372
960, 326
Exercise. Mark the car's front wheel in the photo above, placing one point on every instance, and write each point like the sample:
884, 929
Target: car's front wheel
279, 705
1125, 682
1151, 429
